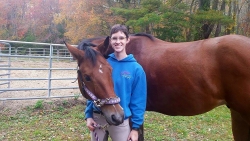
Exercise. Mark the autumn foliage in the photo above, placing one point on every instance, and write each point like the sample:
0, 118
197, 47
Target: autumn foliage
52, 21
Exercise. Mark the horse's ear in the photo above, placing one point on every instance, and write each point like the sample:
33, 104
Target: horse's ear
106, 43
107, 48
104, 47
76, 53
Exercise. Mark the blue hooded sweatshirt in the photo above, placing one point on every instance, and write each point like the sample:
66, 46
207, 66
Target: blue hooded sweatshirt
130, 85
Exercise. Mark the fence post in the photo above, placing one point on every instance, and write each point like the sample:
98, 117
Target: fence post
44, 53
50, 66
16, 52
29, 52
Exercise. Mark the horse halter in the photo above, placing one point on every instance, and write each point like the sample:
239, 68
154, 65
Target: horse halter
98, 102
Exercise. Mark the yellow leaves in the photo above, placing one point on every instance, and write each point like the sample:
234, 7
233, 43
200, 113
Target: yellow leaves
58, 18
83, 19
82, 25
2, 32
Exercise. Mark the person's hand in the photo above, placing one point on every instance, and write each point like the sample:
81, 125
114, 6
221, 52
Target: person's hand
133, 136
90, 124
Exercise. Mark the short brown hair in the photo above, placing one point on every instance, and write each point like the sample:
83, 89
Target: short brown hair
118, 27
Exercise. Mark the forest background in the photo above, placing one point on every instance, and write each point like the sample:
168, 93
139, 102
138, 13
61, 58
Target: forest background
51, 21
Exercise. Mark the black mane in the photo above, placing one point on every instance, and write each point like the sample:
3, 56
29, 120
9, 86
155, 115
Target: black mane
144, 34
88, 43
90, 53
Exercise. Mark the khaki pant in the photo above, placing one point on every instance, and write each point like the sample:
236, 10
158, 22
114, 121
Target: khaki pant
117, 133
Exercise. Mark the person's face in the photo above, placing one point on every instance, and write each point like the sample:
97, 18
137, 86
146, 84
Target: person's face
118, 41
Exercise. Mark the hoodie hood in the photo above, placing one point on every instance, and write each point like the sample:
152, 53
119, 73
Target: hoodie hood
129, 58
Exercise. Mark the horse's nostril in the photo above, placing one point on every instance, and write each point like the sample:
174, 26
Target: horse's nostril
116, 119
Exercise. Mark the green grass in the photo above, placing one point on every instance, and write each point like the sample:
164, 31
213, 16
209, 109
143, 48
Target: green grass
39, 104
65, 121
214, 126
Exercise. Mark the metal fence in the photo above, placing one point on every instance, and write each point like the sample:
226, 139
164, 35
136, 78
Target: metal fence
33, 57
5, 64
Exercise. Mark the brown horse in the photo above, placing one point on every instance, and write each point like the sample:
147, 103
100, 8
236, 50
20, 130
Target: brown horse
192, 78
95, 82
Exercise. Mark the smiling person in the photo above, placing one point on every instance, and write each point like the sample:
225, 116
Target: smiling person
130, 85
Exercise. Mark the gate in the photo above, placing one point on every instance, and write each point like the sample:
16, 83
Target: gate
5, 64
31, 70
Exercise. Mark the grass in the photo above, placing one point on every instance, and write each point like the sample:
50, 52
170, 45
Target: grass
64, 120
39, 104
214, 126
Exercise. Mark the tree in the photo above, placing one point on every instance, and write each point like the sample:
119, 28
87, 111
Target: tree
218, 27
242, 17
41, 16
171, 20
207, 16
13, 23
165, 20
84, 19
246, 21
174, 21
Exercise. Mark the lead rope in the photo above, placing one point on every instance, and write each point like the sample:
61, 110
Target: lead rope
96, 137
98, 126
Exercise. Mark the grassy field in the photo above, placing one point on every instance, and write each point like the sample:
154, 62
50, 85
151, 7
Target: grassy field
64, 120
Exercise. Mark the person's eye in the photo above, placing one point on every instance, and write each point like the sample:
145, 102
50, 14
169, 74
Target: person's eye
121, 38
114, 38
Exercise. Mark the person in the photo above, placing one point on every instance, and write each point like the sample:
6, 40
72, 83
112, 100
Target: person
129, 84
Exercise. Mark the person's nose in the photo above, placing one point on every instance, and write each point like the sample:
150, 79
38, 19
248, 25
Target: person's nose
118, 40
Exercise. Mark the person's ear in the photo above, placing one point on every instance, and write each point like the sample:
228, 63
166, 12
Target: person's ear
128, 40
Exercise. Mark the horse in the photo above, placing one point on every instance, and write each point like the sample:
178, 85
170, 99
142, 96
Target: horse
191, 78
95, 82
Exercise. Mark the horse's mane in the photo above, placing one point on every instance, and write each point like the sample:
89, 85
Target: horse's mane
88, 42
144, 34
90, 53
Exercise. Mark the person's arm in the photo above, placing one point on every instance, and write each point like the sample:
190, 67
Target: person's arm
89, 109
138, 100
89, 115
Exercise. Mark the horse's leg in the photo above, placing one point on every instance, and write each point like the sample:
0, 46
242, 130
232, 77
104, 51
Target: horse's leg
240, 128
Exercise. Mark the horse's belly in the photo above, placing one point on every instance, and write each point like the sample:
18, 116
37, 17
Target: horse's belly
181, 103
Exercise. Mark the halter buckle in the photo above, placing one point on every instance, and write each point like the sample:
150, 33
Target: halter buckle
98, 103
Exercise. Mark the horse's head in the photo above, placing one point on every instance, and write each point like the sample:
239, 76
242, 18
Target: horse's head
95, 82
101, 44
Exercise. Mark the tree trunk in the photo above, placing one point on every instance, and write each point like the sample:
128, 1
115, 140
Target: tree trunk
215, 4
218, 28
188, 32
204, 5
228, 28
248, 19
206, 27
236, 13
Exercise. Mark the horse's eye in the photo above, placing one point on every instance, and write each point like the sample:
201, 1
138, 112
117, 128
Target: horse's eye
87, 78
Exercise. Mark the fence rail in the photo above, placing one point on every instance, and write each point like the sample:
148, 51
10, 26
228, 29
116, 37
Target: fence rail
7, 56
